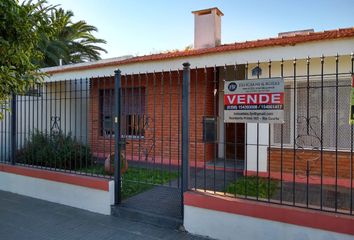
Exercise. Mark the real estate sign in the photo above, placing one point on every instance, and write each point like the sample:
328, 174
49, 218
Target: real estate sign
254, 101
351, 112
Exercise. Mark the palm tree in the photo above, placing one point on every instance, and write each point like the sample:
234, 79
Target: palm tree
73, 42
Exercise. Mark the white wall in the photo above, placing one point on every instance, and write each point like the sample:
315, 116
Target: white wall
90, 199
256, 142
287, 52
227, 226
64, 99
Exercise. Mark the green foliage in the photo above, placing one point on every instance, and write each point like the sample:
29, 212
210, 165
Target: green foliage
150, 176
97, 169
19, 37
248, 186
34, 34
73, 42
55, 151
137, 179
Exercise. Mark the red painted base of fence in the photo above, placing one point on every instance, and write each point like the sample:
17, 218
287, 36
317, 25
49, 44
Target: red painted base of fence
74, 179
280, 213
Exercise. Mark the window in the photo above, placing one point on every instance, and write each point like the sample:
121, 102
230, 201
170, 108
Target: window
308, 115
286, 138
134, 125
331, 128
132, 112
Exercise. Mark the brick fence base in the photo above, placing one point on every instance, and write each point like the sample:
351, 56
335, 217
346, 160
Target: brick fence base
332, 164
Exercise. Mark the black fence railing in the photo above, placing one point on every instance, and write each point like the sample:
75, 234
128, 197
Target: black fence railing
306, 161
52, 129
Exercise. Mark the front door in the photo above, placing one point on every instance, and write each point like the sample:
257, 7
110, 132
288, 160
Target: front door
235, 141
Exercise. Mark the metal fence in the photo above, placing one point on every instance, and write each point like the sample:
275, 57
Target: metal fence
149, 116
165, 130
305, 162
49, 127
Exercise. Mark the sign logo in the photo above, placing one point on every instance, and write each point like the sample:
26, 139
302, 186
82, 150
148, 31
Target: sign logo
232, 87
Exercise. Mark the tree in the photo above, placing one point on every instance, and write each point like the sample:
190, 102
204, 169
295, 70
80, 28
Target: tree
34, 35
73, 42
19, 37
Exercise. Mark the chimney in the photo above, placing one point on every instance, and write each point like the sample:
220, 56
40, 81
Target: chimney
207, 28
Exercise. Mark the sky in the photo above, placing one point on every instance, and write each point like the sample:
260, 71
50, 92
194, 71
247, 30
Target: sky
140, 27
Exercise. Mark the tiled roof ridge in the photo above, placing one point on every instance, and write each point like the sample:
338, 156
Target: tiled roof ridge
259, 43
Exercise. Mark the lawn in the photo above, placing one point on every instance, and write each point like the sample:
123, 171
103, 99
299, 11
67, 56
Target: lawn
138, 179
248, 186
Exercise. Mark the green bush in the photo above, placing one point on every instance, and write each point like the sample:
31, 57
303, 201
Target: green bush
55, 151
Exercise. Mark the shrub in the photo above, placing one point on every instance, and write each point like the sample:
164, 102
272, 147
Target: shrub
55, 151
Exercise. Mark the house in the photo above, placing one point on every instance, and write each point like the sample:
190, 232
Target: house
211, 64
308, 155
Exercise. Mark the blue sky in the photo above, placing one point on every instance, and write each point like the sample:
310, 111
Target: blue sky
141, 27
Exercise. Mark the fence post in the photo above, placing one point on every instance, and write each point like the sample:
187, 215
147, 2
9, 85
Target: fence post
13, 128
117, 138
185, 126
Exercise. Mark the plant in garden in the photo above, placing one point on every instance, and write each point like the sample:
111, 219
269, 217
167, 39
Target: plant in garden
137, 179
252, 187
55, 151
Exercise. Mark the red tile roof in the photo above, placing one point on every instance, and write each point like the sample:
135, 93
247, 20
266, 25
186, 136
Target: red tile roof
269, 42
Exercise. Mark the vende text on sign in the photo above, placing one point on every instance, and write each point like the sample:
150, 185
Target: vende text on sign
257, 101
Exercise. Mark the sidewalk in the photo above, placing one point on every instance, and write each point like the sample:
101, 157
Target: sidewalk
27, 218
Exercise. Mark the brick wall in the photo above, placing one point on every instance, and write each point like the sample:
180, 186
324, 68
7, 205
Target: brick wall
314, 158
163, 107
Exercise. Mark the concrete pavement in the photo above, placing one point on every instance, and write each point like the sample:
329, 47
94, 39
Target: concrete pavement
27, 218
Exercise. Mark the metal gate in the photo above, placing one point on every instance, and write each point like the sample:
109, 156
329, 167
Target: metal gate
151, 125
169, 135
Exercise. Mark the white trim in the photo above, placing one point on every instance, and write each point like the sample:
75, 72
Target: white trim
275, 53
85, 64
94, 200
228, 226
